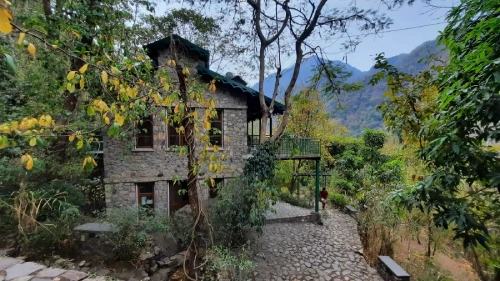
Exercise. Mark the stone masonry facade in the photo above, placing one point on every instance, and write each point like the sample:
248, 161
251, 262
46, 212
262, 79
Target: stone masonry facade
125, 167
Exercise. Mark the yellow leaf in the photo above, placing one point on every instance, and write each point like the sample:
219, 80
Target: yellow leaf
212, 104
5, 17
82, 82
207, 125
106, 120
222, 156
29, 164
119, 119
71, 138
71, 75
85, 162
100, 62
140, 57
83, 68
54, 46
21, 38
76, 34
31, 49
210, 167
70, 87
176, 109
24, 158
212, 181
79, 144
216, 148
104, 77
32, 141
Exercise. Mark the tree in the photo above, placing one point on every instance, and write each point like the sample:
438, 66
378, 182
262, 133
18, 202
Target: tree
279, 27
310, 119
98, 90
467, 120
204, 31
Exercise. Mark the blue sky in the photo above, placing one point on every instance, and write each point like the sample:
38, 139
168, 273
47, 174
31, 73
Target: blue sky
392, 42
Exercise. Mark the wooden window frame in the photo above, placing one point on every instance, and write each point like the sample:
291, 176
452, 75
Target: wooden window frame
142, 134
141, 194
171, 187
220, 119
212, 192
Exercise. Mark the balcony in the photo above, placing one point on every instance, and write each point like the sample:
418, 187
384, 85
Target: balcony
292, 147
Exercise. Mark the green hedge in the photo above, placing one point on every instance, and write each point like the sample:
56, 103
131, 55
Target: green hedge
338, 200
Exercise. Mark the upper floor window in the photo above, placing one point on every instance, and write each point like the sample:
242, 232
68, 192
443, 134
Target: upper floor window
175, 138
144, 135
217, 131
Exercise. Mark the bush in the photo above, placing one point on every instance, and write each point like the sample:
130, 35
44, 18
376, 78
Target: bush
225, 265
338, 200
296, 201
53, 235
344, 186
131, 235
239, 205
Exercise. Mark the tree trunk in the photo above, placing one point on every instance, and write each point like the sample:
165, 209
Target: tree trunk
196, 246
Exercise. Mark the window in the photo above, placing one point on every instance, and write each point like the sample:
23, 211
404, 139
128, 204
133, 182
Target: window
174, 138
146, 195
217, 131
144, 135
212, 191
178, 195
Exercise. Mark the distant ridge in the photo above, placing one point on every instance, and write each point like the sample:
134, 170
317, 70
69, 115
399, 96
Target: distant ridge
359, 108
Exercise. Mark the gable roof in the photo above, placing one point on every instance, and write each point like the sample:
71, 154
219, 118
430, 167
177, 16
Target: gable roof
204, 71
153, 48
231, 84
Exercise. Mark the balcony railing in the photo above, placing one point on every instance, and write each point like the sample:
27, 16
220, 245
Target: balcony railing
292, 147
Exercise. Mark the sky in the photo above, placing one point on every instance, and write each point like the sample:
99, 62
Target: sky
412, 26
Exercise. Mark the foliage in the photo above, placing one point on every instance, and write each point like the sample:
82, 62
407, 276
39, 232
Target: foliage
229, 265
261, 166
338, 200
344, 186
131, 235
56, 234
453, 127
240, 204
303, 202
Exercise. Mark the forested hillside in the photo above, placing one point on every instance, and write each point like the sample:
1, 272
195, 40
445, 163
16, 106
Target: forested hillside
358, 110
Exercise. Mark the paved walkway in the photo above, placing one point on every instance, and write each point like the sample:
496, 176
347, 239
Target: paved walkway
18, 270
305, 251
285, 210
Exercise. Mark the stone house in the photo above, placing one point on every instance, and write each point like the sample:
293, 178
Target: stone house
144, 175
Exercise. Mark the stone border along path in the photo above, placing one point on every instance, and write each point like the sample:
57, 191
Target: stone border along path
18, 270
306, 251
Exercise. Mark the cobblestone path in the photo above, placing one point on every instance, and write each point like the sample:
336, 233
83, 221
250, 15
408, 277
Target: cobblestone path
305, 251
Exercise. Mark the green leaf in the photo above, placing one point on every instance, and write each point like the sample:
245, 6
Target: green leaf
90, 110
114, 130
10, 63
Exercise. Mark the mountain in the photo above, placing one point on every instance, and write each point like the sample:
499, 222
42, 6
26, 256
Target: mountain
358, 110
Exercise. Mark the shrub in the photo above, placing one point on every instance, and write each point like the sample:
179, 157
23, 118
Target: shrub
344, 186
240, 204
296, 201
131, 235
338, 200
53, 235
225, 265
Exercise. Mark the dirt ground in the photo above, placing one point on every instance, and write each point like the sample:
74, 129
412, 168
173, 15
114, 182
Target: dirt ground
458, 268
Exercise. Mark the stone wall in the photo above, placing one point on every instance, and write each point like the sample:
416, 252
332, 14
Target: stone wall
126, 166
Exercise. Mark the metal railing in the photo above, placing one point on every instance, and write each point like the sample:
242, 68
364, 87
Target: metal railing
291, 146
294, 146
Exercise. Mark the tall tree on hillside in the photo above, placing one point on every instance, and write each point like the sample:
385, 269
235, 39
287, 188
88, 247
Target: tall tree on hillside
204, 31
467, 120
280, 27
